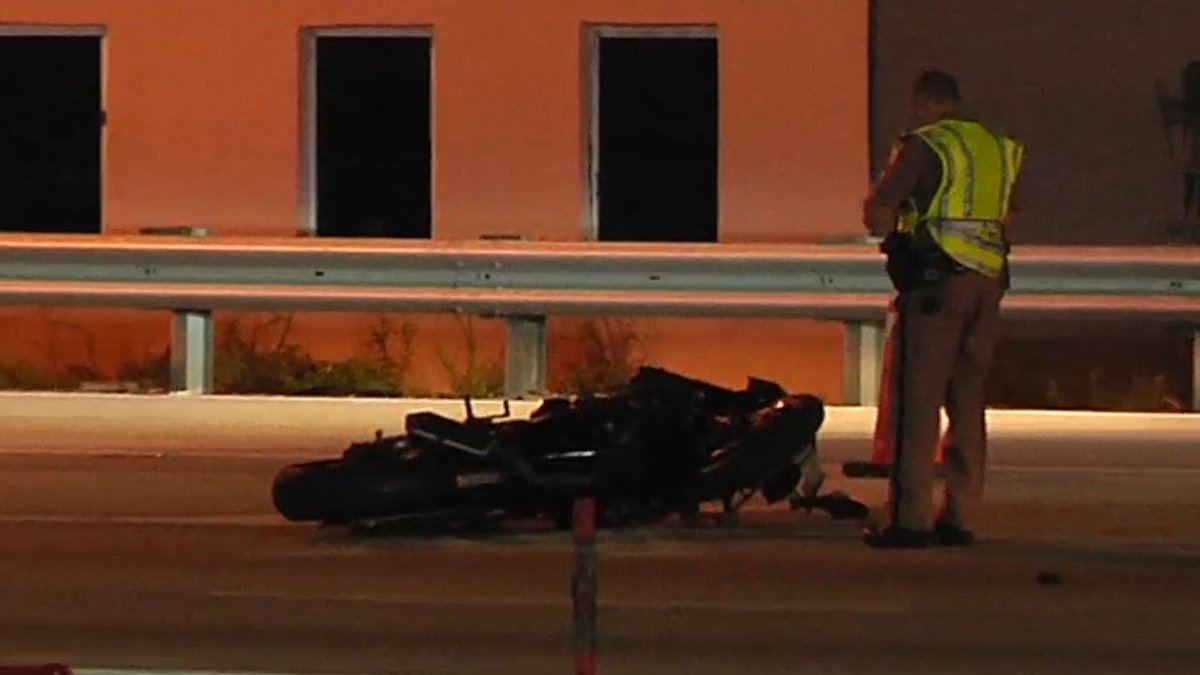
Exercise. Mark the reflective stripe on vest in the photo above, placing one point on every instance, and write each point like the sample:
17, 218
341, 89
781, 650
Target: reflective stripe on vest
979, 169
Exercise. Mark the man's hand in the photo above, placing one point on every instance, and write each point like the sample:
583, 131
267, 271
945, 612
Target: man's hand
878, 219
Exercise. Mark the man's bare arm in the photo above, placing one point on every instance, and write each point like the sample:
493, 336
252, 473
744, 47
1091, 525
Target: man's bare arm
881, 208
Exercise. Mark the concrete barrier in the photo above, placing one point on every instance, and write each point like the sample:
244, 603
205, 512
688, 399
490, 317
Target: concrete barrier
273, 425
295, 426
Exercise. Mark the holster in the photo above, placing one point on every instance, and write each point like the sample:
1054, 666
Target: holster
914, 264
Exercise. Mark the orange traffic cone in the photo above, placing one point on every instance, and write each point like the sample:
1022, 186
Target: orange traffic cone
883, 445
883, 442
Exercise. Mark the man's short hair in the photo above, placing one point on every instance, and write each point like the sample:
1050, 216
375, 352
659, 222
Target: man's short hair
936, 86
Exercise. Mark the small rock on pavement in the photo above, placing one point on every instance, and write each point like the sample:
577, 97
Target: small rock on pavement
1049, 578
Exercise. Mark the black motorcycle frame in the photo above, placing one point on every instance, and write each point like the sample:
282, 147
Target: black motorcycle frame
663, 444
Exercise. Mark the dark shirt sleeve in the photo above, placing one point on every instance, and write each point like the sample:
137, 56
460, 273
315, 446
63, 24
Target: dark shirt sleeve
897, 185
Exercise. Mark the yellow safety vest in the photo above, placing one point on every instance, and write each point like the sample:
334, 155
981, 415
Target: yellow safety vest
979, 168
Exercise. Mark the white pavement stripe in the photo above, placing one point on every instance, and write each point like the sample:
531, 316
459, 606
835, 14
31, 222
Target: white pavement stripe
60, 519
117, 446
148, 671
558, 603
269, 426
1120, 472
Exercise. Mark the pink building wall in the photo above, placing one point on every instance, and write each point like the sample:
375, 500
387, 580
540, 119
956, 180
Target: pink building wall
204, 100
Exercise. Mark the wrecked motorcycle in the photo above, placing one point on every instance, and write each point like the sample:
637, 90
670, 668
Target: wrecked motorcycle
663, 444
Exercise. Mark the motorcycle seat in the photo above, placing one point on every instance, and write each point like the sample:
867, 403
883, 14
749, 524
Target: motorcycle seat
431, 429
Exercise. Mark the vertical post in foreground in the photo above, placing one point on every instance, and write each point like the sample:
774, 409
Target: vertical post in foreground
583, 585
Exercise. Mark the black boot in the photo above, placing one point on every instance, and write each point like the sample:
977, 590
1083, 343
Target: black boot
945, 534
893, 536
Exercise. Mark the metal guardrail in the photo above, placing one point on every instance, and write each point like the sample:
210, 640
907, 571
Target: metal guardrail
525, 281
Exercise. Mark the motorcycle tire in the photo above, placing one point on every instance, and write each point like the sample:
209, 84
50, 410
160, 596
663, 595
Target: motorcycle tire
338, 491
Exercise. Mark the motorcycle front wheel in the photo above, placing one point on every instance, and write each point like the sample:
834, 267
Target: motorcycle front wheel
338, 491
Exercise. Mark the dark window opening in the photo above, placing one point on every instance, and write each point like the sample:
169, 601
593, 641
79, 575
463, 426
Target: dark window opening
658, 139
50, 134
373, 137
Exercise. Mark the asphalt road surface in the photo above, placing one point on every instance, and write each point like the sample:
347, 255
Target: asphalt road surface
177, 562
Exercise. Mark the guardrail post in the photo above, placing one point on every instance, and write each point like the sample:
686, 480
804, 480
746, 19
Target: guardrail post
525, 357
863, 361
525, 348
191, 334
192, 351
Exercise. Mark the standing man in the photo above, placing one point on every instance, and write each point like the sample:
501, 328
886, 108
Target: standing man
942, 206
